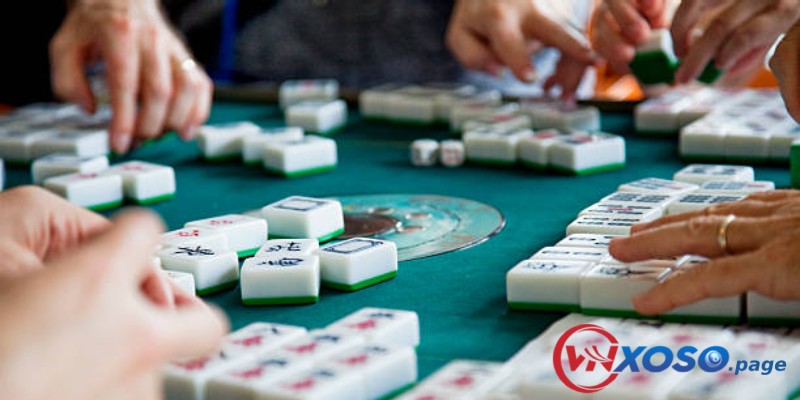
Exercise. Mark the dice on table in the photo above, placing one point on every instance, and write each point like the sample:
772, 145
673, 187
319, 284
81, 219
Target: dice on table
424, 152
452, 153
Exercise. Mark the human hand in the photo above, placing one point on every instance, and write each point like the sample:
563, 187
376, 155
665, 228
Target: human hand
486, 35
761, 255
154, 84
37, 225
86, 309
736, 37
785, 64
619, 26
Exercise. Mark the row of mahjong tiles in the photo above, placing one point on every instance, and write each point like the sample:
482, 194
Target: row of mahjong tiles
369, 354
578, 274
722, 124
576, 153
42, 129
287, 269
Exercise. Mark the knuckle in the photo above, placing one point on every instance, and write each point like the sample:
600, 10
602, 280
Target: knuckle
160, 90
496, 12
697, 226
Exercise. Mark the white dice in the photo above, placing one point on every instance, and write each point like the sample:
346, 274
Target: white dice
424, 152
305, 217
357, 263
452, 153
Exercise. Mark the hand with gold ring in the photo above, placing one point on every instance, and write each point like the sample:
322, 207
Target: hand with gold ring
751, 244
154, 83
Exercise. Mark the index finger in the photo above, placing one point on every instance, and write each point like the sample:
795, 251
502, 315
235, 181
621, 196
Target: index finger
709, 45
685, 20
118, 47
631, 20
567, 40
725, 277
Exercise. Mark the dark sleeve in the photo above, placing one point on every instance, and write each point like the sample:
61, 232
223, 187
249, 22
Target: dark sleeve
26, 30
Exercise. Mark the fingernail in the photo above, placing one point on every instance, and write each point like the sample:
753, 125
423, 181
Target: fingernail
122, 143
529, 75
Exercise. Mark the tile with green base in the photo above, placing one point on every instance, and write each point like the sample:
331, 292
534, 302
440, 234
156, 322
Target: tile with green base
397, 392
710, 74
773, 322
708, 320
794, 165
279, 301
105, 206
547, 307
154, 200
218, 288
653, 67
321, 239
301, 173
491, 163
248, 252
361, 285
589, 171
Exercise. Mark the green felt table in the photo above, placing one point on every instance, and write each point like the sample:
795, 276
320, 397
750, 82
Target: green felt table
460, 296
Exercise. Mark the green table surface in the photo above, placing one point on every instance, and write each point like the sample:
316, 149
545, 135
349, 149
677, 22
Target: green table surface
460, 296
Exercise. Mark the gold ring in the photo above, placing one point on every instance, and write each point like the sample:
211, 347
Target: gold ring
722, 234
188, 64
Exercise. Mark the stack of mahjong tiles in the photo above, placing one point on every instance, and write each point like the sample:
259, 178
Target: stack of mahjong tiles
436, 103
655, 61
290, 267
313, 105
287, 152
369, 354
722, 124
542, 135
578, 274
41, 129
89, 182
533, 375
